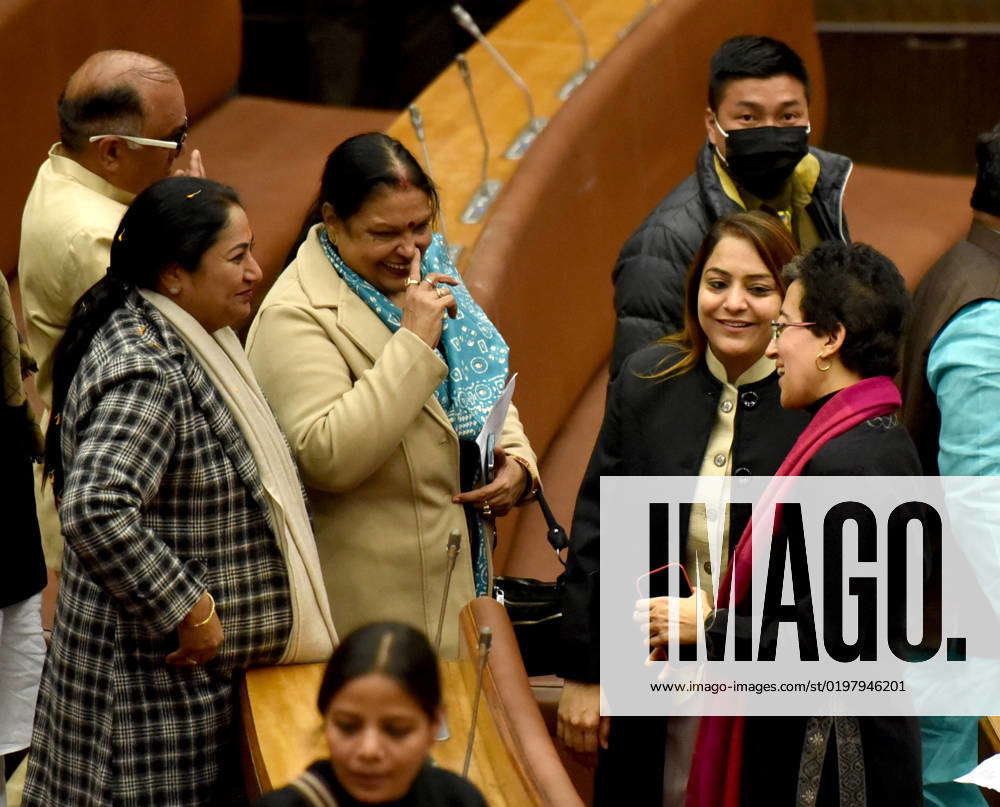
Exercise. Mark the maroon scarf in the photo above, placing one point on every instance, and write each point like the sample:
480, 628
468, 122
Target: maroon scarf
718, 754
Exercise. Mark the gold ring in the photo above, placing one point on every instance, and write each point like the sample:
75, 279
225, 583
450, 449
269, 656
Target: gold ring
428, 281
191, 662
487, 510
439, 291
411, 282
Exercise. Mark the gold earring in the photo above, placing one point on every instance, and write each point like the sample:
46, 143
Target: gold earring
820, 367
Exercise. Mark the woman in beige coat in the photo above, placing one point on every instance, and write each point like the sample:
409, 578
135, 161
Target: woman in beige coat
381, 370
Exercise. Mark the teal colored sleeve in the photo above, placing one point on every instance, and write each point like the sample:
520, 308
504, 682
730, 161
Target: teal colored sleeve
963, 371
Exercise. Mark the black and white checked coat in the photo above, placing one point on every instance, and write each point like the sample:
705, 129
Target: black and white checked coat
162, 501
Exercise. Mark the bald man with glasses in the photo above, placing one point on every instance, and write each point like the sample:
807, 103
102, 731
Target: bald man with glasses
122, 125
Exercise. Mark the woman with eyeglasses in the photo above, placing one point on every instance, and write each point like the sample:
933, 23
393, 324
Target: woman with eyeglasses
836, 348
382, 370
703, 402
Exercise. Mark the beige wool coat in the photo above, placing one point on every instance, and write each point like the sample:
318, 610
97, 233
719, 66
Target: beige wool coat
375, 448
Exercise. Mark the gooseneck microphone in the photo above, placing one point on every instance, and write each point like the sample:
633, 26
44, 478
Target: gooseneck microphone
454, 543
485, 642
587, 64
488, 188
535, 124
417, 121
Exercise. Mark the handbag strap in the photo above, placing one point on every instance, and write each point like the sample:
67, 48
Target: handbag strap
558, 539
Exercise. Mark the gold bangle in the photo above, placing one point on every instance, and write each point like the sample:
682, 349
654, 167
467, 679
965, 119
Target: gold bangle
211, 613
532, 490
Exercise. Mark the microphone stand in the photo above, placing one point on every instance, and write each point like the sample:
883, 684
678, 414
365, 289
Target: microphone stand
587, 65
454, 542
535, 124
417, 120
485, 641
488, 188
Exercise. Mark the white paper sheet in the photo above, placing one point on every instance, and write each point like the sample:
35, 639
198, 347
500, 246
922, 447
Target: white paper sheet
494, 421
986, 774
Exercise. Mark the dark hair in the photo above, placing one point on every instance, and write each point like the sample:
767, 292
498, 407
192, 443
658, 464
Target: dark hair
173, 221
365, 163
986, 194
857, 286
391, 648
359, 167
113, 110
773, 243
752, 57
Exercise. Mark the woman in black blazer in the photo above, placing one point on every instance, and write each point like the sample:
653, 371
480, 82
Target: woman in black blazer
701, 402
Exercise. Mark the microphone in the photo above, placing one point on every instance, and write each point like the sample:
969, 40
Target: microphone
454, 543
535, 124
417, 120
485, 641
643, 13
488, 188
587, 65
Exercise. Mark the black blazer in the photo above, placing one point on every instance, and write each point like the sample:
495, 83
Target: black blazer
659, 428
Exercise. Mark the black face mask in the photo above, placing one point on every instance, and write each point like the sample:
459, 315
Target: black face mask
762, 159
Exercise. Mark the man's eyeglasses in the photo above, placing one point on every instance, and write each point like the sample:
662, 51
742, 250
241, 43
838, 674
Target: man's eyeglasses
778, 327
176, 143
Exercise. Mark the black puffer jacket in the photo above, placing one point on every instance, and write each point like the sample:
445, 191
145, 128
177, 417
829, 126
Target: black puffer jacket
652, 266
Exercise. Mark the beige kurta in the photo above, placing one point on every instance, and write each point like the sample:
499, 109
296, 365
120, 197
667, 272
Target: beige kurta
69, 220
376, 450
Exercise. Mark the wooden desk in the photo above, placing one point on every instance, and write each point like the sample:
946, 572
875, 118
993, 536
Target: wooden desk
285, 732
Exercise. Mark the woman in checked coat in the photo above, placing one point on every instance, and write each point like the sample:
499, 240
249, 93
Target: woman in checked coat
182, 521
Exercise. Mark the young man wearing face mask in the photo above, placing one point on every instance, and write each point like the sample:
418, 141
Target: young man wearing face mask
757, 156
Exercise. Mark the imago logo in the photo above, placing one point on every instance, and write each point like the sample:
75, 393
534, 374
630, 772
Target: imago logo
836, 595
786, 556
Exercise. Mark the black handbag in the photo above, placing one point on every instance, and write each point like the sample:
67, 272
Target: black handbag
535, 606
